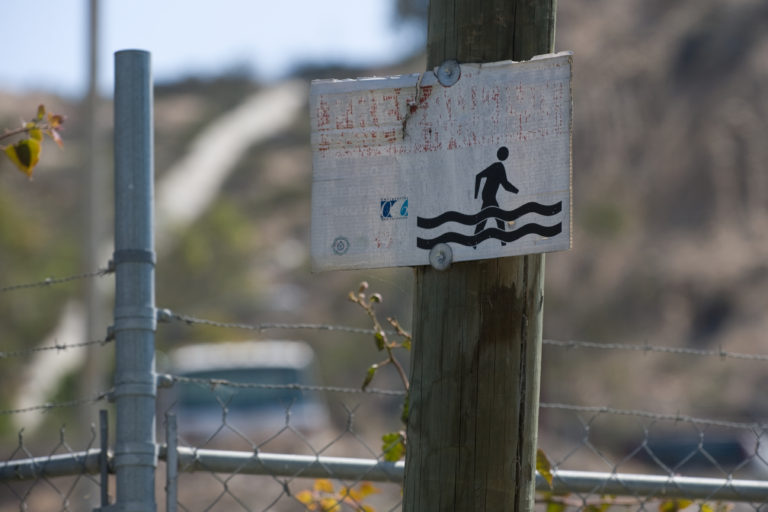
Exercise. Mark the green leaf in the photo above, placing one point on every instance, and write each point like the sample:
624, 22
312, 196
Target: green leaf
375, 297
555, 506
406, 344
406, 409
393, 446
380, 340
369, 375
543, 466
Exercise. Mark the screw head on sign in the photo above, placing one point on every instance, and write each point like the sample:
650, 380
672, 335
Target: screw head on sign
340, 245
448, 73
441, 257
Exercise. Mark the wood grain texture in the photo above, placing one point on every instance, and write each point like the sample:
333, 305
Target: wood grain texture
489, 30
477, 327
475, 385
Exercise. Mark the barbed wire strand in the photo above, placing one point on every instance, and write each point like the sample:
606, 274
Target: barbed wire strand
544, 405
49, 281
58, 405
678, 418
57, 347
299, 387
191, 320
723, 354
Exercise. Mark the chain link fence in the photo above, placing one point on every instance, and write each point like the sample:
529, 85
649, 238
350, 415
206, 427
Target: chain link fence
278, 461
281, 455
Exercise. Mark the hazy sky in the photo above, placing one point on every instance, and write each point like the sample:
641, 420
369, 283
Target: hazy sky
46, 39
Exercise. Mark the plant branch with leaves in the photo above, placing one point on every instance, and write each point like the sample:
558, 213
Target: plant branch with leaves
380, 335
325, 498
394, 443
25, 152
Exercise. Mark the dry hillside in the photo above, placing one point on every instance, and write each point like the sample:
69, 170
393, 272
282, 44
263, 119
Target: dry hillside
670, 205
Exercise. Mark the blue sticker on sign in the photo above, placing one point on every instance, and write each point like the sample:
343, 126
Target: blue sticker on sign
393, 208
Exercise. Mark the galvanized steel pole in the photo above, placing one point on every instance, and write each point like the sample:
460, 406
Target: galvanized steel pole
171, 463
134, 261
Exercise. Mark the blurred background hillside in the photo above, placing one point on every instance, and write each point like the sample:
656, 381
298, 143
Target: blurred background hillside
670, 211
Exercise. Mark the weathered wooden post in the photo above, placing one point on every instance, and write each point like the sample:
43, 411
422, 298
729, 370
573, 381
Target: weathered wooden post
465, 167
477, 326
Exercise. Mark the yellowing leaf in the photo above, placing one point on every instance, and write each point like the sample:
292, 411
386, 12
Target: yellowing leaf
40, 112
305, 496
324, 485
54, 125
674, 505
367, 488
543, 466
24, 154
330, 505
354, 496
55, 121
36, 133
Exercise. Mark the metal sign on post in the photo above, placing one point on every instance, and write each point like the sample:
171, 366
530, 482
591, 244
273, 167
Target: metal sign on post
470, 162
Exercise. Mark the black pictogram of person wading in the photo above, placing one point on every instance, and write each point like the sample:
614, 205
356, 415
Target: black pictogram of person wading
495, 176
487, 184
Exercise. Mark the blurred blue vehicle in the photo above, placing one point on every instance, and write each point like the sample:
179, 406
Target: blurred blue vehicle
247, 388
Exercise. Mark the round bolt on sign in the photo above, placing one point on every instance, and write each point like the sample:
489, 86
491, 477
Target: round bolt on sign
340, 245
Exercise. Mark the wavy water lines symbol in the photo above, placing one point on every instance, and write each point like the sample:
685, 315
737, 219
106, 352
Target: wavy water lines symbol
504, 236
487, 213
479, 218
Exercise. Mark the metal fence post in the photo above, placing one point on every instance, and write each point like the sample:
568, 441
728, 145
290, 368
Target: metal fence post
104, 457
134, 262
171, 463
